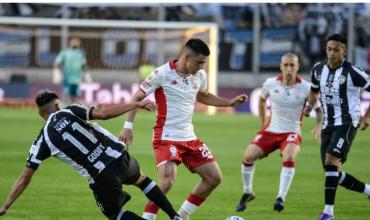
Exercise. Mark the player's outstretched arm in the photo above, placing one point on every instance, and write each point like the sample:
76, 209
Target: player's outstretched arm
126, 134
116, 110
213, 100
19, 186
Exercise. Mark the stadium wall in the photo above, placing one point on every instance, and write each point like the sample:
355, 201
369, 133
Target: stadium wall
22, 94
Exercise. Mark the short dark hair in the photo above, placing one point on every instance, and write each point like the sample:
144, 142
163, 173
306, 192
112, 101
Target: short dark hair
44, 97
337, 37
197, 46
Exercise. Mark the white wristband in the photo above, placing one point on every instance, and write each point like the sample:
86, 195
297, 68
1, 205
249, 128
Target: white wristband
128, 125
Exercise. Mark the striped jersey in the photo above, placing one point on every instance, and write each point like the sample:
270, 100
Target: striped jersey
69, 136
339, 92
287, 103
175, 96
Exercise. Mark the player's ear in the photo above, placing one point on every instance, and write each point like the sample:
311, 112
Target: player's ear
57, 105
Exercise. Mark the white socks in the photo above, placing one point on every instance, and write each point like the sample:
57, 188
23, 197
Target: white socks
247, 177
329, 209
367, 189
286, 178
149, 216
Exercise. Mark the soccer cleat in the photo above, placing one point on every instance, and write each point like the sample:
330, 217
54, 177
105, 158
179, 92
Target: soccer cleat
246, 197
279, 204
368, 197
324, 216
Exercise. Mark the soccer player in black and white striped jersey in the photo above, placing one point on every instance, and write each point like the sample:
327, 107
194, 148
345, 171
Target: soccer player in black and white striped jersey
92, 151
338, 84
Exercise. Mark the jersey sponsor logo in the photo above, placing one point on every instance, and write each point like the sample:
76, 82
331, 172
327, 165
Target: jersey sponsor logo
61, 124
330, 100
330, 89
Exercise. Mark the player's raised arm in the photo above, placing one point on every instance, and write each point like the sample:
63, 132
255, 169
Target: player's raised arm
113, 111
126, 134
213, 100
19, 186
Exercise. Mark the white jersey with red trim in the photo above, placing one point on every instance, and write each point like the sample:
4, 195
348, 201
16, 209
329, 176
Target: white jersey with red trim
175, 96
287, 104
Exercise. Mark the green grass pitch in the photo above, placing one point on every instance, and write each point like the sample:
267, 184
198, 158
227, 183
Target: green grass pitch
57, 192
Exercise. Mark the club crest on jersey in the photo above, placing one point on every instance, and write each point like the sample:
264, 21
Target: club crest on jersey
61, 124
173, 83
342, 79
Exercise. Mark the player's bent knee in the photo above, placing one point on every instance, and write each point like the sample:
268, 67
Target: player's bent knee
216, 180
166, 184
289, 157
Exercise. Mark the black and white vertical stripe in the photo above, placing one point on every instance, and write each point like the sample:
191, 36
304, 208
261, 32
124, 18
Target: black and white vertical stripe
67, 135
339, 92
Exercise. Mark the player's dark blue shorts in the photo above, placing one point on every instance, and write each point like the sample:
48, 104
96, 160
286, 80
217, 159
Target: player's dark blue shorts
107, 188
337, 141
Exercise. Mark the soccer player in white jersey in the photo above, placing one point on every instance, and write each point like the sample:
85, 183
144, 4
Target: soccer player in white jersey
177, 85
288, 94
338, 83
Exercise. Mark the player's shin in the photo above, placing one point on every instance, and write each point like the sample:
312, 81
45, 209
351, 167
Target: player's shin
247, 177
350, 182
331, 183
152, 191
286, 178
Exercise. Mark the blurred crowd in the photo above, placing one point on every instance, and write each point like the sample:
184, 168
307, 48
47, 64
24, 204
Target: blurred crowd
312, 22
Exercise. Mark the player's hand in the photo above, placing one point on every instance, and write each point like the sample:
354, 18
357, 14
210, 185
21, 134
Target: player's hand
127, 137
3, 211
240, 99
147, 104
307, 110
364, 123
316, 132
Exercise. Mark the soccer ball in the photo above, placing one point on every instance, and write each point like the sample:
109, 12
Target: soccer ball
234, 218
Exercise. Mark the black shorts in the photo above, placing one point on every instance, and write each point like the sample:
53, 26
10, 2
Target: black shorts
337, 141
107, 188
